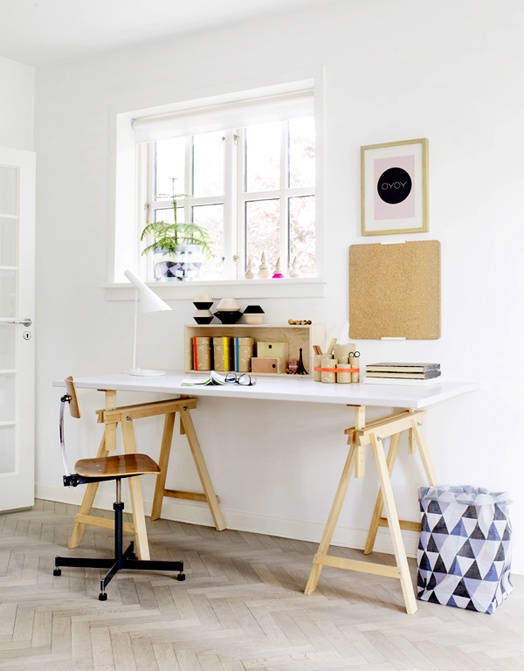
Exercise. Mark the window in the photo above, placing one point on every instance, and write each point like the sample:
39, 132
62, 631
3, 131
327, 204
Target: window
247, 168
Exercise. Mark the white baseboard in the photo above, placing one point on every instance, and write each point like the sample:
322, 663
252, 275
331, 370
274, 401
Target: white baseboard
194, 512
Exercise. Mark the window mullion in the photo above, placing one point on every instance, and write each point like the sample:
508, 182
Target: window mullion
284, 200
229, 237
188, 178
146, 209
240, 200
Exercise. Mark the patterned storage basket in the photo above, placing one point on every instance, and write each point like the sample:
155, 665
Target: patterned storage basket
464, 553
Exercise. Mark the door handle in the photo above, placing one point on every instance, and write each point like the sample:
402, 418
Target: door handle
25, 322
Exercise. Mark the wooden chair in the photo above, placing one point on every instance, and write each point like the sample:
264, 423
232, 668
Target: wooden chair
101, 469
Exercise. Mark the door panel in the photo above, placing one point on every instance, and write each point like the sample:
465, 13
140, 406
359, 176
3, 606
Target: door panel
17, 219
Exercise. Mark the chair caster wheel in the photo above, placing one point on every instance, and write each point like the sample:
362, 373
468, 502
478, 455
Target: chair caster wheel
181, 577
57, 571
102, 596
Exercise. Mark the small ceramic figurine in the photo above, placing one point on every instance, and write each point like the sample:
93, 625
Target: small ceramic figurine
249, 274
263, 271
293, 271
277, 273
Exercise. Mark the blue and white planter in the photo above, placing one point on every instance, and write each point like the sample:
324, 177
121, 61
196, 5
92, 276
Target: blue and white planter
181, 266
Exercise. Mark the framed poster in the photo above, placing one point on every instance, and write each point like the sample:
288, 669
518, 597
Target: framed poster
394, 185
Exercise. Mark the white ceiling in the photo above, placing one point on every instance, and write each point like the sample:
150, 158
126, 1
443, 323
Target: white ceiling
42, 32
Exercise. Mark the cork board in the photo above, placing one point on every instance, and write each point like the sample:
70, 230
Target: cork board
394, 291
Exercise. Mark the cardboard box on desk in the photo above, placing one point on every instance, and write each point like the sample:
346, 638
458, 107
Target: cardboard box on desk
274, 349
268, 365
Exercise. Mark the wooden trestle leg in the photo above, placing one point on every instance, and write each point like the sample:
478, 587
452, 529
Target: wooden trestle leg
373, 434
209, 495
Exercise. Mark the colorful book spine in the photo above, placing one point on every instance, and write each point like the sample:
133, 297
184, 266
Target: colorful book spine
222, 351
243, 353
202, 359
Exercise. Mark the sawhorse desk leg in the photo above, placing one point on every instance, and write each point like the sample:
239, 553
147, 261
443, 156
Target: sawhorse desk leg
360, 436
415, 433
209, 496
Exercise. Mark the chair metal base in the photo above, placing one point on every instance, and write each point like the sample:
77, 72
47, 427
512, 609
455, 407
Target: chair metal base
121, 561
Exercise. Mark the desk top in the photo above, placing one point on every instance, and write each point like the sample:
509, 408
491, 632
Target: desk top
288, 388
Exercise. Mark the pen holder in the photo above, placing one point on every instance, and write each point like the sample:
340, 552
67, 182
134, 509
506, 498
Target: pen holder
328, 376
354, 362
344, 373
342, 352
317, 358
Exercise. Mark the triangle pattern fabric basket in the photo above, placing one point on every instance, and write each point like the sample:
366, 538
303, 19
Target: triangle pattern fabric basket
464, 552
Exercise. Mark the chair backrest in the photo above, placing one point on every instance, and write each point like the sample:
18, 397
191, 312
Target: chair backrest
71, 398
74, 407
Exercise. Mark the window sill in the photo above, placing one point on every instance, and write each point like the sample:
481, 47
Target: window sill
279, 288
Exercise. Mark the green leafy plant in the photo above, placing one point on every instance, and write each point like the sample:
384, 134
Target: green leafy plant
168, 236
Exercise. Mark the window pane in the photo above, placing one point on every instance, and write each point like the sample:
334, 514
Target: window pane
167, 215
262, 154
170, 164
7, 449
8, 231
7, 293
8, 194
302, 152
208, 164
211, 217
262, 232
302, 233
8, 395
7, 346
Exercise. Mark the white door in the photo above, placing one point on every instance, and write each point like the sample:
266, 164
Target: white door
17, 252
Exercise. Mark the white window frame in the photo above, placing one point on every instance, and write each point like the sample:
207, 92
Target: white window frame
129, 178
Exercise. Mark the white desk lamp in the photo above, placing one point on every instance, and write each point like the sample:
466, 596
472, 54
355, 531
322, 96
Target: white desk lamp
149, 302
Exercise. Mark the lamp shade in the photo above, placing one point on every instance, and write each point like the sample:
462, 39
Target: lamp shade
149, 301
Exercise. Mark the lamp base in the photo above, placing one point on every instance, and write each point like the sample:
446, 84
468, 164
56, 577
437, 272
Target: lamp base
145, 372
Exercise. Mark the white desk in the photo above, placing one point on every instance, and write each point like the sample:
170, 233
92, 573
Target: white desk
411, 400
287, 388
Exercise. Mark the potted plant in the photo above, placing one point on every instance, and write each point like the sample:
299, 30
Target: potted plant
179, 248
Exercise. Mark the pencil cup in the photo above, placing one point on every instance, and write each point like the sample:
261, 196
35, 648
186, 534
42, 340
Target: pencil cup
328, 376
343, 377
341, 352
354, 362
317, 359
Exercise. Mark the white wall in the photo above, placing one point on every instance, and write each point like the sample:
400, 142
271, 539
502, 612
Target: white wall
17, 83
448, 71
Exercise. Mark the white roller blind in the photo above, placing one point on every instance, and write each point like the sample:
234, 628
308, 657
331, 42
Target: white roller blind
223, 115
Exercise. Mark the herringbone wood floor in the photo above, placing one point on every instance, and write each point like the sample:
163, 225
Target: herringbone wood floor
241, 607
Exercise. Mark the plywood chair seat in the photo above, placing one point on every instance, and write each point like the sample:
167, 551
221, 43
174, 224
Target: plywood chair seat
115, 467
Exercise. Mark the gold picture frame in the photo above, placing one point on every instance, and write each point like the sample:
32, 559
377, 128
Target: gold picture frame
394, 187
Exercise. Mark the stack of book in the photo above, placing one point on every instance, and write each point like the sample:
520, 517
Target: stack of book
403, 373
